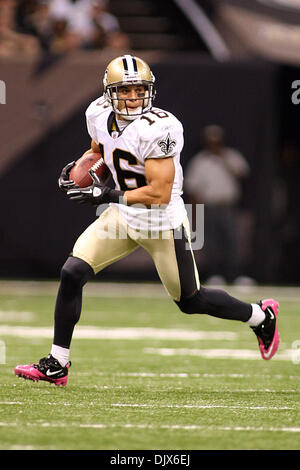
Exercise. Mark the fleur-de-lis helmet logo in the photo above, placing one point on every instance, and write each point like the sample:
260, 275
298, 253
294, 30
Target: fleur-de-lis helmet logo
167, 144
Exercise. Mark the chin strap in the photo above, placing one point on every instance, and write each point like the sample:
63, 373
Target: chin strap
137, 112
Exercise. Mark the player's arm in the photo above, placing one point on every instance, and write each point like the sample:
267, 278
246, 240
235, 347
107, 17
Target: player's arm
94, 148
159, 174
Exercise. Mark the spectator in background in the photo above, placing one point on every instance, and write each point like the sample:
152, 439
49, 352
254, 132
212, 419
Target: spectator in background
34, 17
72, 24
11, 41
107, 33
85, 24
213, 178
64, 25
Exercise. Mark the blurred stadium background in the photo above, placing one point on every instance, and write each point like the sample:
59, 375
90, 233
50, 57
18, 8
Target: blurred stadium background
228, 62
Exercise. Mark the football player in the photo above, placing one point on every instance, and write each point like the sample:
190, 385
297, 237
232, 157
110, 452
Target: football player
141, 145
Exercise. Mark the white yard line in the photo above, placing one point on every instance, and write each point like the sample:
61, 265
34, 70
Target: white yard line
12, 403
23, 447
204, 375
203, 407
177, 375
248, 354
90, 332
179, 427
93, 332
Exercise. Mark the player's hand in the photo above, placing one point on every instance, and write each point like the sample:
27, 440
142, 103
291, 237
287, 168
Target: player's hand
95, 194
64, 182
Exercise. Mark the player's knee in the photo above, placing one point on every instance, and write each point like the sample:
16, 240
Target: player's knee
189, 305
200, 302
75, 273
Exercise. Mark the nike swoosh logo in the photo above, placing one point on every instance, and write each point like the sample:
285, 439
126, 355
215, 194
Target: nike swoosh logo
48, 373
268, 354
271, 313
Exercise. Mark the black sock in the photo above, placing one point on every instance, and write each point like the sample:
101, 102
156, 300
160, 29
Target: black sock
217, 303
74, 275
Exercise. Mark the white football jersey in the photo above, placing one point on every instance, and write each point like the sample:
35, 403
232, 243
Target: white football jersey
156, 134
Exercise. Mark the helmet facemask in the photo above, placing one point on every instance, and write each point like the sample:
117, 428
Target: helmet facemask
126, 112
127, 71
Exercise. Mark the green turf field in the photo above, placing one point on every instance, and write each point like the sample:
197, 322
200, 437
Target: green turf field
146, 376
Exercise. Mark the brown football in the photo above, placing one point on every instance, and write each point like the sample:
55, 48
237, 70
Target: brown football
80, 171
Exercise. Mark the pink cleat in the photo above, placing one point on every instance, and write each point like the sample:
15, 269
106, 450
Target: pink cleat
267, 332
48, 369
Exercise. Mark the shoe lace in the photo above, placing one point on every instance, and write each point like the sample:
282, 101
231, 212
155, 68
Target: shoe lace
45, 362
48, 361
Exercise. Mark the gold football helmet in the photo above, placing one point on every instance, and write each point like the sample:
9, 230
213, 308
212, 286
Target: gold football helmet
128, 70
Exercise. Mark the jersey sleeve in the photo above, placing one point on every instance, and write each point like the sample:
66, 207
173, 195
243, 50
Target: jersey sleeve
91, 130
162, 139
91, 114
